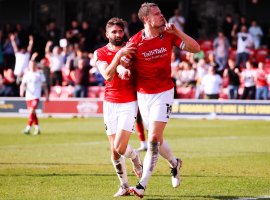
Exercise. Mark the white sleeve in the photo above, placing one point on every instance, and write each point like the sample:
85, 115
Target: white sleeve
220, 80
203, 80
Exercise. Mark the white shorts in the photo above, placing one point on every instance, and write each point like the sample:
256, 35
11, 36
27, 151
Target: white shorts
119, 116
155, 107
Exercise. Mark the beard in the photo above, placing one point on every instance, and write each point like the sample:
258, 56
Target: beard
117, 42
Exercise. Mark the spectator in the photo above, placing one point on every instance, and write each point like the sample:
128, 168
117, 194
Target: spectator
248, 77
56, 63
261, 79
74, 34
244, 44
227, 28
212, 62
211, 83
22, 55
174, 65
190, 59
222, 46
198, 56
268, 39
234, 72
2, 64
45, 69
53, 34
8, 52
6, 32
174, 59
102, 40
22, 35
72, 62
10, 88
243, 22
178, 20
80, 76
68, 53
88, 37
188, 75
202, 68
256, 33
134, 26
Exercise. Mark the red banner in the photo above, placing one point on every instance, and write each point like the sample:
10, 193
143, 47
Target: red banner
80, 107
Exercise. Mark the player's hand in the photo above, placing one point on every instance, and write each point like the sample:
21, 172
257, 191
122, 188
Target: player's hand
35, 55
128, 50
124, 74
47, 99
31, 38
236, 70
169, 27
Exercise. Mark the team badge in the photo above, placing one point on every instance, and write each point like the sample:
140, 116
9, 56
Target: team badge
161, 36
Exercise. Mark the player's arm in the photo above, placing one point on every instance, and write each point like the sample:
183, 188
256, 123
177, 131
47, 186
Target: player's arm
108, 71
22, 87
13, 43
190, 44
30, 45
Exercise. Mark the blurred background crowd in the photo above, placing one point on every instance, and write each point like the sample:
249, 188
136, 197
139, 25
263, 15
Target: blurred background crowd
233, 62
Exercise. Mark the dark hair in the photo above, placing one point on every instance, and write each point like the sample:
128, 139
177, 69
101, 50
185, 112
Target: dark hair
115, 21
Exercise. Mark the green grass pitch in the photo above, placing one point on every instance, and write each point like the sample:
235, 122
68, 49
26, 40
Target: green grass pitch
71, 160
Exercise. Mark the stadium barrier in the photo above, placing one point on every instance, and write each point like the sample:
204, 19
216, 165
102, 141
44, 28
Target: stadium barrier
182, 108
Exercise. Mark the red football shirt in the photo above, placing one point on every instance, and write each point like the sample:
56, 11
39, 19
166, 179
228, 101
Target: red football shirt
152, 61
118, 90
261, 82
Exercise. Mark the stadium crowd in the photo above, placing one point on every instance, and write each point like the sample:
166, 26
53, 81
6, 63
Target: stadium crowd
234, 65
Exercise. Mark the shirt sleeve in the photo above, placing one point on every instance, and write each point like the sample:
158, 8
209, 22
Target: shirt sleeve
100, 58
220, 79
203, 80
178, 42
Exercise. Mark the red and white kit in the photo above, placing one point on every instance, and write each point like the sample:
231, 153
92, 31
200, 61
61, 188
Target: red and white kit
120, 100
152, 62
33, 81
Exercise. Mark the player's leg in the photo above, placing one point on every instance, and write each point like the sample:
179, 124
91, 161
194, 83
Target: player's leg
127, 113
30, 118
120, 168
140, 130
110, 121
35, 119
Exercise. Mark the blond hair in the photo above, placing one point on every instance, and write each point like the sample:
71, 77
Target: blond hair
145, 10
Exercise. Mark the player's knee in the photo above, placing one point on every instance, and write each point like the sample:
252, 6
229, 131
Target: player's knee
120, 150
154, 139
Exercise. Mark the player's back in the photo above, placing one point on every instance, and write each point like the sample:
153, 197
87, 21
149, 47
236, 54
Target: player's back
118, 90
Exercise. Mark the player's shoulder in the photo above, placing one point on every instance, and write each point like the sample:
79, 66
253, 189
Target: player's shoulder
137, 37
101, 52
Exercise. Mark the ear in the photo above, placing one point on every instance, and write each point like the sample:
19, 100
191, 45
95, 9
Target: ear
145, 19
107, 35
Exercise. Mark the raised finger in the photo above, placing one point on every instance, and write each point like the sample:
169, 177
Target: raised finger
130, 44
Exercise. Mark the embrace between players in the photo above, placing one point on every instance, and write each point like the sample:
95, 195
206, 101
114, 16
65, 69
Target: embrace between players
139, 74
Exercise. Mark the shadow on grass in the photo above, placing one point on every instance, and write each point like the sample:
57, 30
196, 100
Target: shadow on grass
158, 197
54, 174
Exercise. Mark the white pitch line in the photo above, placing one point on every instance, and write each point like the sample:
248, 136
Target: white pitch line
265, 197
107, 142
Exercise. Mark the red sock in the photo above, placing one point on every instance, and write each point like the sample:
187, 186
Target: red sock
30, 119
35, 119
140, 130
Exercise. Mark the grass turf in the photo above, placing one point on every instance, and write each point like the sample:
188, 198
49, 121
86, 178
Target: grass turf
71, 160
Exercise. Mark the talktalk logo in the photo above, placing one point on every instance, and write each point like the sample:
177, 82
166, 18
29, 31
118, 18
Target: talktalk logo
156, 51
